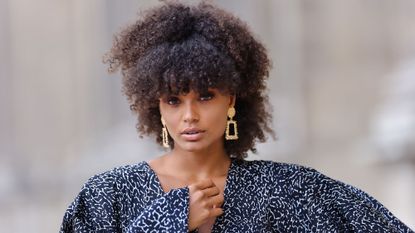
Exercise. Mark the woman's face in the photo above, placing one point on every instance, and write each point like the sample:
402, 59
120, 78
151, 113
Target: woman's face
195, 121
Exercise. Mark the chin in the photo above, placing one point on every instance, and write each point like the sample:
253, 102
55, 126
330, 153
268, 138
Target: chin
192, 146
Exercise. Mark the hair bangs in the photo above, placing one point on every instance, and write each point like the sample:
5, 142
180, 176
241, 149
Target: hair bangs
186, 69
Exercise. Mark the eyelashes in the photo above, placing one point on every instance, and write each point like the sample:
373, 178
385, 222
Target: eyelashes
172, 100
175, 100
207, 96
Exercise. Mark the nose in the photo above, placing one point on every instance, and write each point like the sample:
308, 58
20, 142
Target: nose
191, 113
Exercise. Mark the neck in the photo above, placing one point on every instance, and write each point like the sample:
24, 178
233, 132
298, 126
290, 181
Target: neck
200, 164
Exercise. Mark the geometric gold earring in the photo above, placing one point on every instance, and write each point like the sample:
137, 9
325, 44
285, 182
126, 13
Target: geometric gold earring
165, 134
231, 126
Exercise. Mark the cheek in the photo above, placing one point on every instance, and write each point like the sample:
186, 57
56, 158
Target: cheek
218, 119
171, 120
170, 117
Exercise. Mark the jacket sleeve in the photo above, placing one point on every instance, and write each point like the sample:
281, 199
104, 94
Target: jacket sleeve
168, 213
362, 213
94, 209
305, 200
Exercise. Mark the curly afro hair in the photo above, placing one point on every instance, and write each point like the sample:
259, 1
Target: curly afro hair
175, 48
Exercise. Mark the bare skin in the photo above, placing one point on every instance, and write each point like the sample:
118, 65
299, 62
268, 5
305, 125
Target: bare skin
198, 160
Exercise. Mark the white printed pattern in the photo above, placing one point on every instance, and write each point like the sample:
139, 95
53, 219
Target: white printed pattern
260, 196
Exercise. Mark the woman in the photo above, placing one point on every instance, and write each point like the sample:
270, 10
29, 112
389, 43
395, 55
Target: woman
196, 77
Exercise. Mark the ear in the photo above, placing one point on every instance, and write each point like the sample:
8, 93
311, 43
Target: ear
232, 100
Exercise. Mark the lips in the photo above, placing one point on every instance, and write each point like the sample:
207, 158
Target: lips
192, 134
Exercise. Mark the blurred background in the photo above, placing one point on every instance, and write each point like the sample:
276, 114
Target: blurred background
342, 89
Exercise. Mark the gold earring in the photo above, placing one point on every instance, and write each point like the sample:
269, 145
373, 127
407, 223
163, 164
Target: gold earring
229, 123
165, 134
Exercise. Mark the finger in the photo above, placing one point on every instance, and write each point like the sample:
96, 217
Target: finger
215, 212
203, 184
212, 191
216, 201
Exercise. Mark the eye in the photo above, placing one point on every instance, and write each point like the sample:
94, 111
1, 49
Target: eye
172, 100
206, 96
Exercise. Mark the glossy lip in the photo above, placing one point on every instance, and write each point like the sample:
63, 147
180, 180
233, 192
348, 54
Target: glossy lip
196, 134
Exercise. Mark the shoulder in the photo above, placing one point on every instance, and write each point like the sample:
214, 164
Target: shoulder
98, 204
284, 180
299, 181
107, 187
281, 172
302, 179
136, 172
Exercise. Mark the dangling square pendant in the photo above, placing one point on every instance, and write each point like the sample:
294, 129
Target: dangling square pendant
234, 134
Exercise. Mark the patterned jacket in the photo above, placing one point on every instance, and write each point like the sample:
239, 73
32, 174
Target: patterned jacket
260, 196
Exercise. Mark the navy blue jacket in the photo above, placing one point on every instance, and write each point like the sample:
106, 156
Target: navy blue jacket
260, 196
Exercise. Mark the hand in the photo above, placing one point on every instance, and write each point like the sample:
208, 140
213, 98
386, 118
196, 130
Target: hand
205, 202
